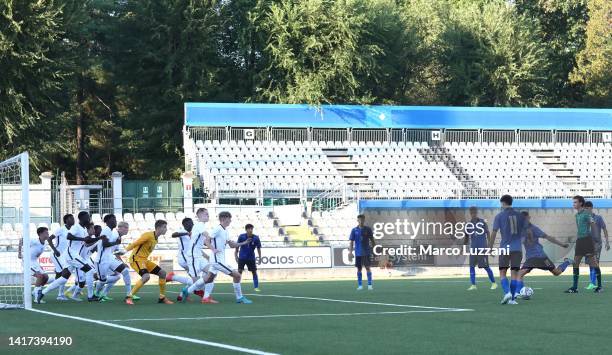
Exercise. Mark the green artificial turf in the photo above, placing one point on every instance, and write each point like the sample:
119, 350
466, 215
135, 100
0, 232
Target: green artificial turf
550, 323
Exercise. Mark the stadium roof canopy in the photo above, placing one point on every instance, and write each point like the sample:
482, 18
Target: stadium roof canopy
415, 117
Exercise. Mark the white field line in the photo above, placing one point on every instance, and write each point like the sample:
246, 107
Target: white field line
349, 301
287, 315
157, 334
361, 302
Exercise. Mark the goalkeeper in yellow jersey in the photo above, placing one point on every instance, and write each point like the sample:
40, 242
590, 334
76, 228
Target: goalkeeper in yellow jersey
139, 261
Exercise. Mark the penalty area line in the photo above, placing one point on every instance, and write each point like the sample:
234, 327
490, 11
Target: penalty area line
157, 334
360, 302
288, 315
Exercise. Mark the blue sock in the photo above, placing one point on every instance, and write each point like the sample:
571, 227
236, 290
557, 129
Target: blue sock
593, 275
513, 288
472, 275
564, 265
505, 285
519, 286
359, 278
369, 274
490, 273
255, 281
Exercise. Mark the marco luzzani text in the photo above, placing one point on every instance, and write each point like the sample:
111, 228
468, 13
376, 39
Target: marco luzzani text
413, 230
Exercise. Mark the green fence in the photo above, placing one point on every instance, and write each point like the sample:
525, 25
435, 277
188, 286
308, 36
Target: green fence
152, 196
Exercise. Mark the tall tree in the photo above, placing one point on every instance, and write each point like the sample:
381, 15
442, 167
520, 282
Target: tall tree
314, 56
481, 53
595, 60
562, 28
167, 53
31, 77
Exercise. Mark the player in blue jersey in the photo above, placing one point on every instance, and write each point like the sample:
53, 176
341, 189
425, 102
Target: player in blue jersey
535, 256
245, 254
476, 236
362, 242
596, 231
511, 224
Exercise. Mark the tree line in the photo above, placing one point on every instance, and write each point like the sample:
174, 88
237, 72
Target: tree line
94, 86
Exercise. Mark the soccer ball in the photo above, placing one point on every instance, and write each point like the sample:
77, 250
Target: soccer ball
526, 293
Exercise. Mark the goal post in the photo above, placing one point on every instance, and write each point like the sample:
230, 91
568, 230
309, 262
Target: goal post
15, 275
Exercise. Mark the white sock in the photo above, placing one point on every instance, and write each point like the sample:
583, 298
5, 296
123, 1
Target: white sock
127, 281
237, 290
185, 280
89, 282
36, 289
208, 288
110, 282
55, 284
61, 289
100, 285
196, 286
76, 291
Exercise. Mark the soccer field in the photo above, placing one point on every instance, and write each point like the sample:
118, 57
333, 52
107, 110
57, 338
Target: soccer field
398, 317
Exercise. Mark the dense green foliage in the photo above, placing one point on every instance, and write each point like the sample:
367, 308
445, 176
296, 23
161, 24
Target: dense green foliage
95, 86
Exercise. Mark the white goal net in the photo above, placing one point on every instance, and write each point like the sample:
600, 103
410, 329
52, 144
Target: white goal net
15, 221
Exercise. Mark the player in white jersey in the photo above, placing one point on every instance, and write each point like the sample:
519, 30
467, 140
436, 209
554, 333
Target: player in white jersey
184, 246
185, 256
81, 236
200, 260
59, 241
77, 236
86, 253
37, 247
216, 242
109, 264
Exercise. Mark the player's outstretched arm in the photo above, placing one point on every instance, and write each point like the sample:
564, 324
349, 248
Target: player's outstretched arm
555, 241
178, 234
106, 243
74, 237
233, 244
55, 251
143, 238
208, 243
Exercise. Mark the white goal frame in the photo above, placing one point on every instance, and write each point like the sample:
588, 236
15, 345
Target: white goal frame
23, 160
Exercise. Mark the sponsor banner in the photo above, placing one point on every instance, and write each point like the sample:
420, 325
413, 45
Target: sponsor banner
385, 256
45, 262
272, 258
295, 258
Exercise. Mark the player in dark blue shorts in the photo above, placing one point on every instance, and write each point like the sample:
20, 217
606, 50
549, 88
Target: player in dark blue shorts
362, 242
535, 256
512, 225
245, 255
477, 238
